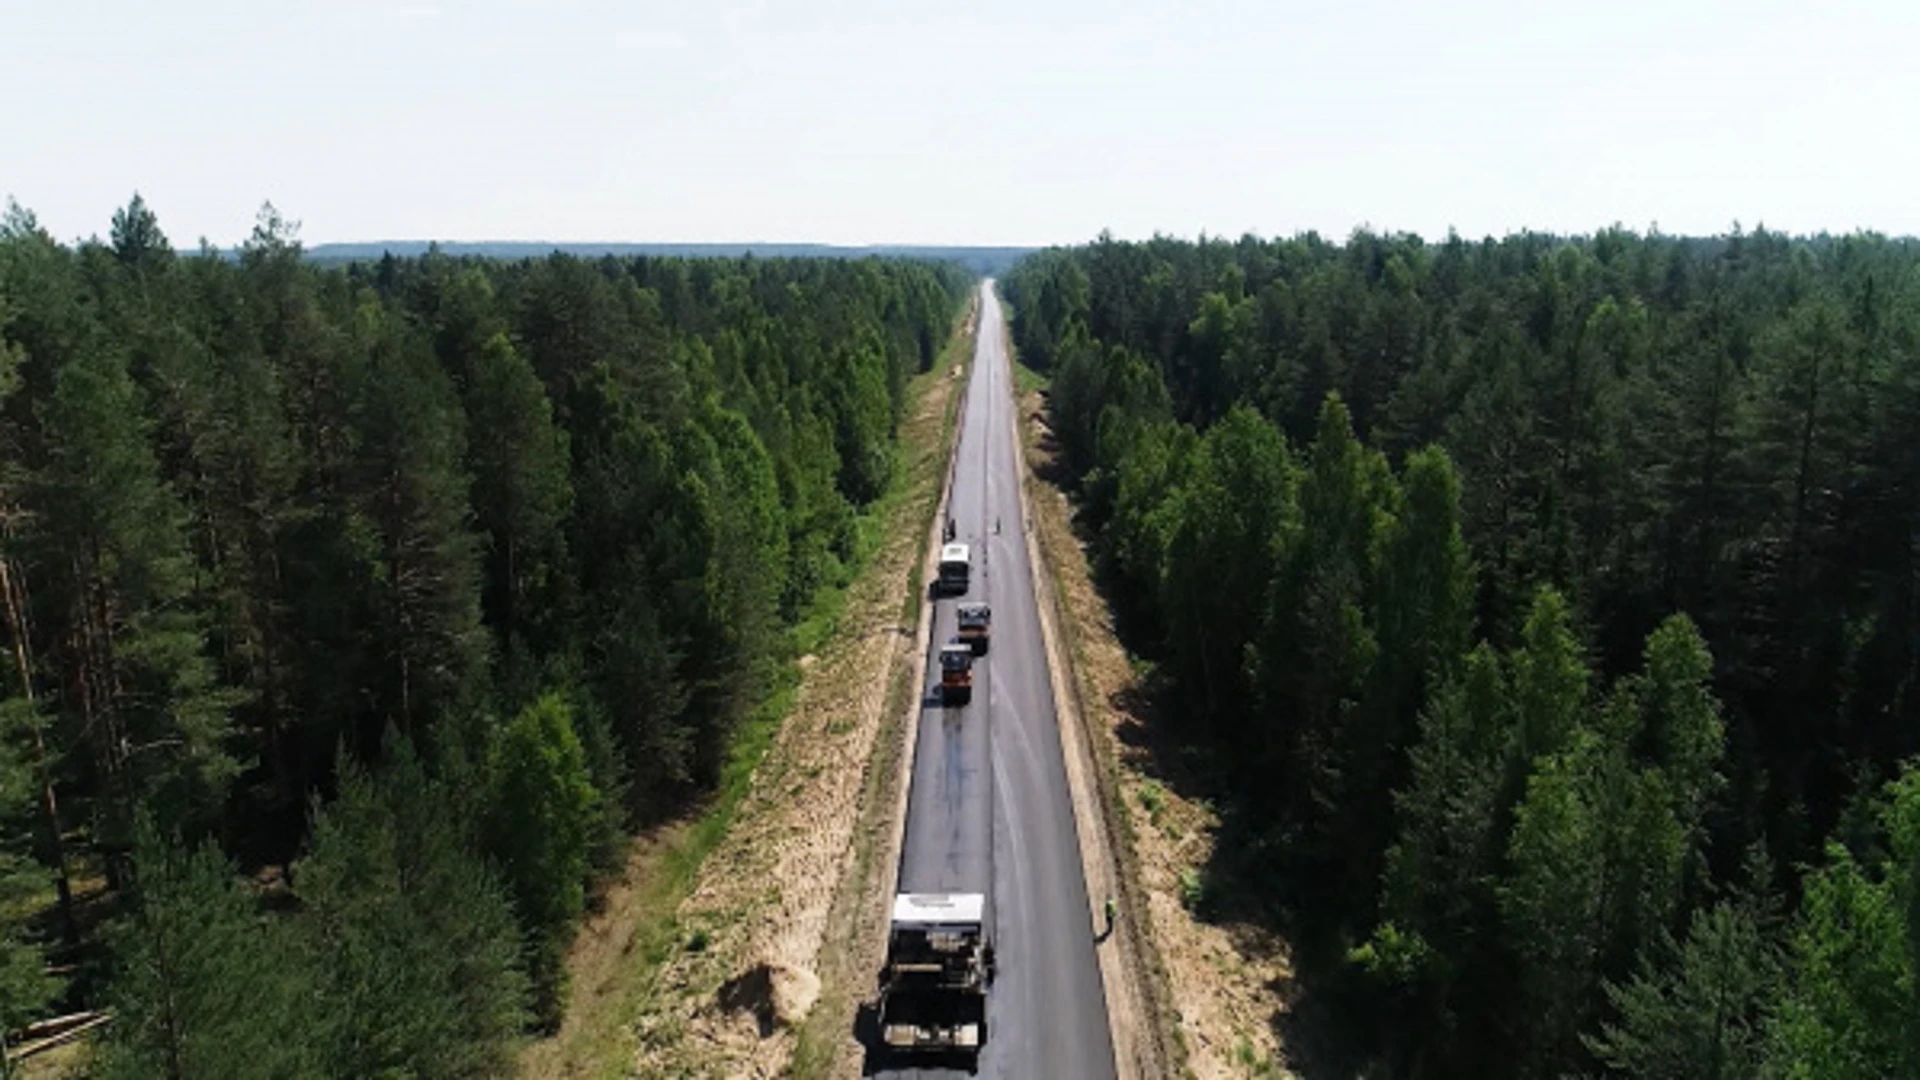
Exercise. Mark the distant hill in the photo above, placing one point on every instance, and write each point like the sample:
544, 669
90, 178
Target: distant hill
981, 260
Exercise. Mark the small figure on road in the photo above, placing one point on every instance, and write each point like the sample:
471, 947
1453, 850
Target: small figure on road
949, 529
996, 526
1110, 908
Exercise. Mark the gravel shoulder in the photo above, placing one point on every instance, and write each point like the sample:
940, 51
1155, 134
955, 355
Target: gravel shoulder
1188, 997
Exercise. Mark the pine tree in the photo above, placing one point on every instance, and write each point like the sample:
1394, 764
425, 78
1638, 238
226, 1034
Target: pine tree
543, 811
422, 973
522, 491
207, 986
1702, 1016
131, 648
1237, 514
232, 458
25, 988
137, 240
1848, 1010
411, 488
1552, 899
23, 722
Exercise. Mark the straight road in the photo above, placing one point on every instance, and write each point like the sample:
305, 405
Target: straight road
988, 810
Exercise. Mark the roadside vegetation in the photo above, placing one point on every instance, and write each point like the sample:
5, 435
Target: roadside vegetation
355, 616
1537, 617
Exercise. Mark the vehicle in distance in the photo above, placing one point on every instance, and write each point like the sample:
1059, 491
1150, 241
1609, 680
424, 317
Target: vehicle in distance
933, 989
976, 627
956, 673
955, 570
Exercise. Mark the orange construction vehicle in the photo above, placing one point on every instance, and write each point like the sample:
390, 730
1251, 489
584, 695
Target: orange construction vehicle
976, 626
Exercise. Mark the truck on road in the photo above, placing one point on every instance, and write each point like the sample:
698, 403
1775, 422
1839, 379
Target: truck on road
956, 673
955, 570
976, 626
933, 989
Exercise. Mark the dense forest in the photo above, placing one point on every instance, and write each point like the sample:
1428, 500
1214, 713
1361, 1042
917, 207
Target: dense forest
980, 260
1550, 607
353, 615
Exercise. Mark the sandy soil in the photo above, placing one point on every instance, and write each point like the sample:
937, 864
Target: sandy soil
1210, 992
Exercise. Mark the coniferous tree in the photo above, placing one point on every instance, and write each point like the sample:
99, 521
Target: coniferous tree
1438, 901
1704, 1015
543, 811
131, 650
1319, 643
522, 490
258, 507
25, 988
422, 957
1421, 610
1693, 446
207, 985
1237, 515
412, 489
1552, 900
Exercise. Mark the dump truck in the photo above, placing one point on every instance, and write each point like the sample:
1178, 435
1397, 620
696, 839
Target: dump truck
955, 570
956, 673
933, 989
976, 627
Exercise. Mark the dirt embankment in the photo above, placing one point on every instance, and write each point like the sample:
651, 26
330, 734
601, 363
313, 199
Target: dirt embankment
1210, 993
740, 985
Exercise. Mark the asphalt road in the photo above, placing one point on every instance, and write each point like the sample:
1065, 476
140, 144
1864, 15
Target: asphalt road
988, 810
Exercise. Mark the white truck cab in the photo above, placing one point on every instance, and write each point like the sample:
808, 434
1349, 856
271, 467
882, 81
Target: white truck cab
956, 569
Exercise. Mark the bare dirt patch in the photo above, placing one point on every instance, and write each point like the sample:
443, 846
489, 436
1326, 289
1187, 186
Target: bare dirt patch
1215, 990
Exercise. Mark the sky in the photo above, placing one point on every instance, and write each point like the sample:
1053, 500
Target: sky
959, 122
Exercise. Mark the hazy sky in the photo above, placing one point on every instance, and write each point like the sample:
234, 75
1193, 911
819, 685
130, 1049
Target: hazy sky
985, 121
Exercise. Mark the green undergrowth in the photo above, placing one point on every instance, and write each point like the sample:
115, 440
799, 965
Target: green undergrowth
1026, 380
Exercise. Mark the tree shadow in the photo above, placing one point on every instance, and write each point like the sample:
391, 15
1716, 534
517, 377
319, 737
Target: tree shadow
1050, 464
